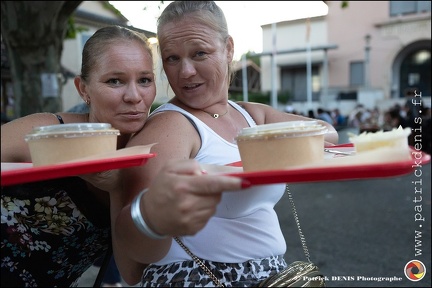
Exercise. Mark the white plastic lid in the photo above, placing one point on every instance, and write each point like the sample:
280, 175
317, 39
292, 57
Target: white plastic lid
283, 129
71, 130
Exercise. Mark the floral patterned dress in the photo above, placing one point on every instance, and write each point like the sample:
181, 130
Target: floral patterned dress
51, 233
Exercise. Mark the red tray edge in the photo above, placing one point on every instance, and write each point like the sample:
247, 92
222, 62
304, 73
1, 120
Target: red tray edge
15, 176
319, 174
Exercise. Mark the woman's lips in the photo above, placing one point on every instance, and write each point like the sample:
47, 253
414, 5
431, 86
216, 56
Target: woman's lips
133, 115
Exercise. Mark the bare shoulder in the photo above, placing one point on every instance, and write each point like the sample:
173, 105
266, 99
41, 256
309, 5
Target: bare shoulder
14, 146
26, 123
252, 105
257, 111
167, 127
263, 113
174, 138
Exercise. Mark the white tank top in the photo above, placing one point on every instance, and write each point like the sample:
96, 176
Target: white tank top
245, 225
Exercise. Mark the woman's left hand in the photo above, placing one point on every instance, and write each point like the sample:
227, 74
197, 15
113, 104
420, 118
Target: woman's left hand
108, 180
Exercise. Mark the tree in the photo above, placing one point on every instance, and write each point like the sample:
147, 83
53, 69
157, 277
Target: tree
33, 32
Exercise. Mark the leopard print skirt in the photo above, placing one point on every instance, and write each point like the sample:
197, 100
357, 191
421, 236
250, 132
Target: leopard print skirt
189, 274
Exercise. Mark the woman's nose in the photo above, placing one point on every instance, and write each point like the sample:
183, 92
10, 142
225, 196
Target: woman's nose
187, 69
132, 93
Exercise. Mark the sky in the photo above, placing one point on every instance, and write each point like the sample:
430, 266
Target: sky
244, 17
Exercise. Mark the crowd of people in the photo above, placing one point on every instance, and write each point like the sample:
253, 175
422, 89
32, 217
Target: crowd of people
417, 117
333, 117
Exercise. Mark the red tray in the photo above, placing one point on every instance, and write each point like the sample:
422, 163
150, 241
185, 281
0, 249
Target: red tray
30, 174
332, 173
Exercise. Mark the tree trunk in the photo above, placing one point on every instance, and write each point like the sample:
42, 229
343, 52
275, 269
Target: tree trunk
33, 32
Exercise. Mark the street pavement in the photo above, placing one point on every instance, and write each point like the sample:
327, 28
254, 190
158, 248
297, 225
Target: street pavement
360, 233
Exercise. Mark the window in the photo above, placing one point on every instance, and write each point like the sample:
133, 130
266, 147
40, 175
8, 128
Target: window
357, 73
409, 7
294, 81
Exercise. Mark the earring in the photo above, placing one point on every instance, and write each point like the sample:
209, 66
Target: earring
87, 101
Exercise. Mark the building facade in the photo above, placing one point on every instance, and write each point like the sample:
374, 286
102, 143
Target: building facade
373, 53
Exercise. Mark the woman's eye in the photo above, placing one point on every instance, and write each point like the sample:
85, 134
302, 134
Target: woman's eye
145, 81
171, 58
113, 81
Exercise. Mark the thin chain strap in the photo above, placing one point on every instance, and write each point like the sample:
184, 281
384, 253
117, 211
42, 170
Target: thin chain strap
296, 218
200, 263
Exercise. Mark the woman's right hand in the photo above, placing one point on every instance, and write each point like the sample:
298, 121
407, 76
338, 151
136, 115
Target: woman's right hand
180, 201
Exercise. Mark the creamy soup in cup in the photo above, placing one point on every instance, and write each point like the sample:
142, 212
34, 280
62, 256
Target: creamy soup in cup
281, 145
65, 142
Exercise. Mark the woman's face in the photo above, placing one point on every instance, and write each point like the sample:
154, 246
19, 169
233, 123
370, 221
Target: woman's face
195, 60
121, 87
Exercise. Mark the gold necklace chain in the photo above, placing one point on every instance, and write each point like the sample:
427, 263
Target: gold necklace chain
215, 115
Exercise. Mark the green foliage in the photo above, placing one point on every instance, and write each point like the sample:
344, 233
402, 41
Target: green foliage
344, 4
154, 106
110, 7
72, 29
284, 97
160, 4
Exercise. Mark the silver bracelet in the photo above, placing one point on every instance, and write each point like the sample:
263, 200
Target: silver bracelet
139, 220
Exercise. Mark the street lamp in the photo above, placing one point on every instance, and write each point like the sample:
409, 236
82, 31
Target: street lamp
366, 62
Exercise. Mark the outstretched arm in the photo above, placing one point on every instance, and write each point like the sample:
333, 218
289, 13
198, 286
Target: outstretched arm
179, 201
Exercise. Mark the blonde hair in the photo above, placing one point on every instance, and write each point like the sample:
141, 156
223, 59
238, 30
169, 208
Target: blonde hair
103, 38
210, 14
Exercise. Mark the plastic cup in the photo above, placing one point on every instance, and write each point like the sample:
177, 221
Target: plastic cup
281, 145
66, 142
